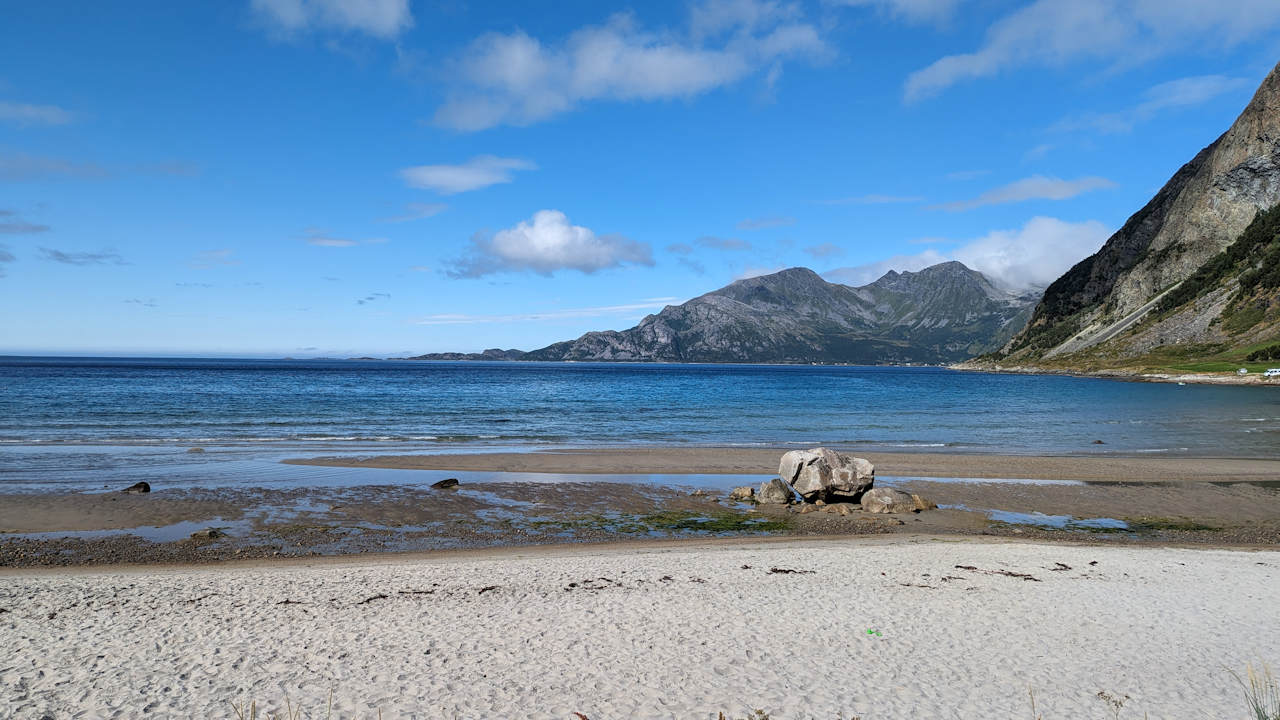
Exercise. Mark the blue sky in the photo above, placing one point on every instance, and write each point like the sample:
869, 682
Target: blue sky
387, 177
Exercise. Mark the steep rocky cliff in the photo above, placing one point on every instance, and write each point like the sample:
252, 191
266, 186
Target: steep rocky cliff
943, 313
1112, 306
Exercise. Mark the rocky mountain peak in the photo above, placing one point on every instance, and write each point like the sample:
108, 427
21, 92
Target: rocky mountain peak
1201, 210
939, 314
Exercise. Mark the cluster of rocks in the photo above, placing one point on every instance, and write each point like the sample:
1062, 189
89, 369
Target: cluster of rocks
823, 477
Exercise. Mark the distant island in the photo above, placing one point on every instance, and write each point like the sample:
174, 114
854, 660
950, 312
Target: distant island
942, 314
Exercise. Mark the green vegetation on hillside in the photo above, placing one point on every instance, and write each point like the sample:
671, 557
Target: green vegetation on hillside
1270, 352
1254, 257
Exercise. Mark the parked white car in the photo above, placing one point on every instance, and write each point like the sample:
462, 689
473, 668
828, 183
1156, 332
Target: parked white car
1271, 372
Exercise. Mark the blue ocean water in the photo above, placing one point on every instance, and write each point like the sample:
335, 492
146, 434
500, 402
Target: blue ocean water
59, 415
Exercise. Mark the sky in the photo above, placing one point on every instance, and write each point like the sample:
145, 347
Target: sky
394, 177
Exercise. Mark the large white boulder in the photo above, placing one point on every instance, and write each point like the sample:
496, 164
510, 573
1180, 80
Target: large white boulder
823, 474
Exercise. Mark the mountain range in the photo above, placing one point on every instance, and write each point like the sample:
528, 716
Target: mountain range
941, 314
1190, 282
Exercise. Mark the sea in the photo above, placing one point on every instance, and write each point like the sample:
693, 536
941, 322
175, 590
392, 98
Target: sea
96, 422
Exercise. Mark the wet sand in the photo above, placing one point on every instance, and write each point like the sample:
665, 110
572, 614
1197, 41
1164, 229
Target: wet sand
1098, 499
66, 529
708, 460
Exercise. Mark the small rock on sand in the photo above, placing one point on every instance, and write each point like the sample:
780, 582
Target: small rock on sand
887, 500
923, 503
207, 534
446, 483
739, 494
137, 488
774, 492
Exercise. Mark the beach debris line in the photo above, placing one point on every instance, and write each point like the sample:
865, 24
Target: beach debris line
371, 598
486, 589
789, 571
1006, 573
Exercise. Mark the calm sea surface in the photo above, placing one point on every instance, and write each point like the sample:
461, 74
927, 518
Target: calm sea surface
79, 420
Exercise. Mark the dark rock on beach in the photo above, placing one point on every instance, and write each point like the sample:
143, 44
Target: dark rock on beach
137, 488
445, 484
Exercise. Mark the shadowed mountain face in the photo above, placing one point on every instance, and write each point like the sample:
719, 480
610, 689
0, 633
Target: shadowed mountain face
941, 314
1119, 302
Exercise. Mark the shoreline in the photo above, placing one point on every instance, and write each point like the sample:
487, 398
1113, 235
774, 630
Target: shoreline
566, 497
710, 460
604, 548
1203, 378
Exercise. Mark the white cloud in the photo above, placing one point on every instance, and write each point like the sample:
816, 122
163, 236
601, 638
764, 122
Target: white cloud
19, 167
573, 313
417, 211
930, 11
322, 238
1055, 33
478, 172
516, 79
756, 271
26, 114
874, 199
13, 224
765, 223
862, 274
381, 18
211, 259
1033, 256
719, 243
104, 257
373, 297
546, 243
1181, 93
824, 250
1037, 152
1036, 187
1037, 254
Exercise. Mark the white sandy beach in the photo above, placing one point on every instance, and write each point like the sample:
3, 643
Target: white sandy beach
676, 631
